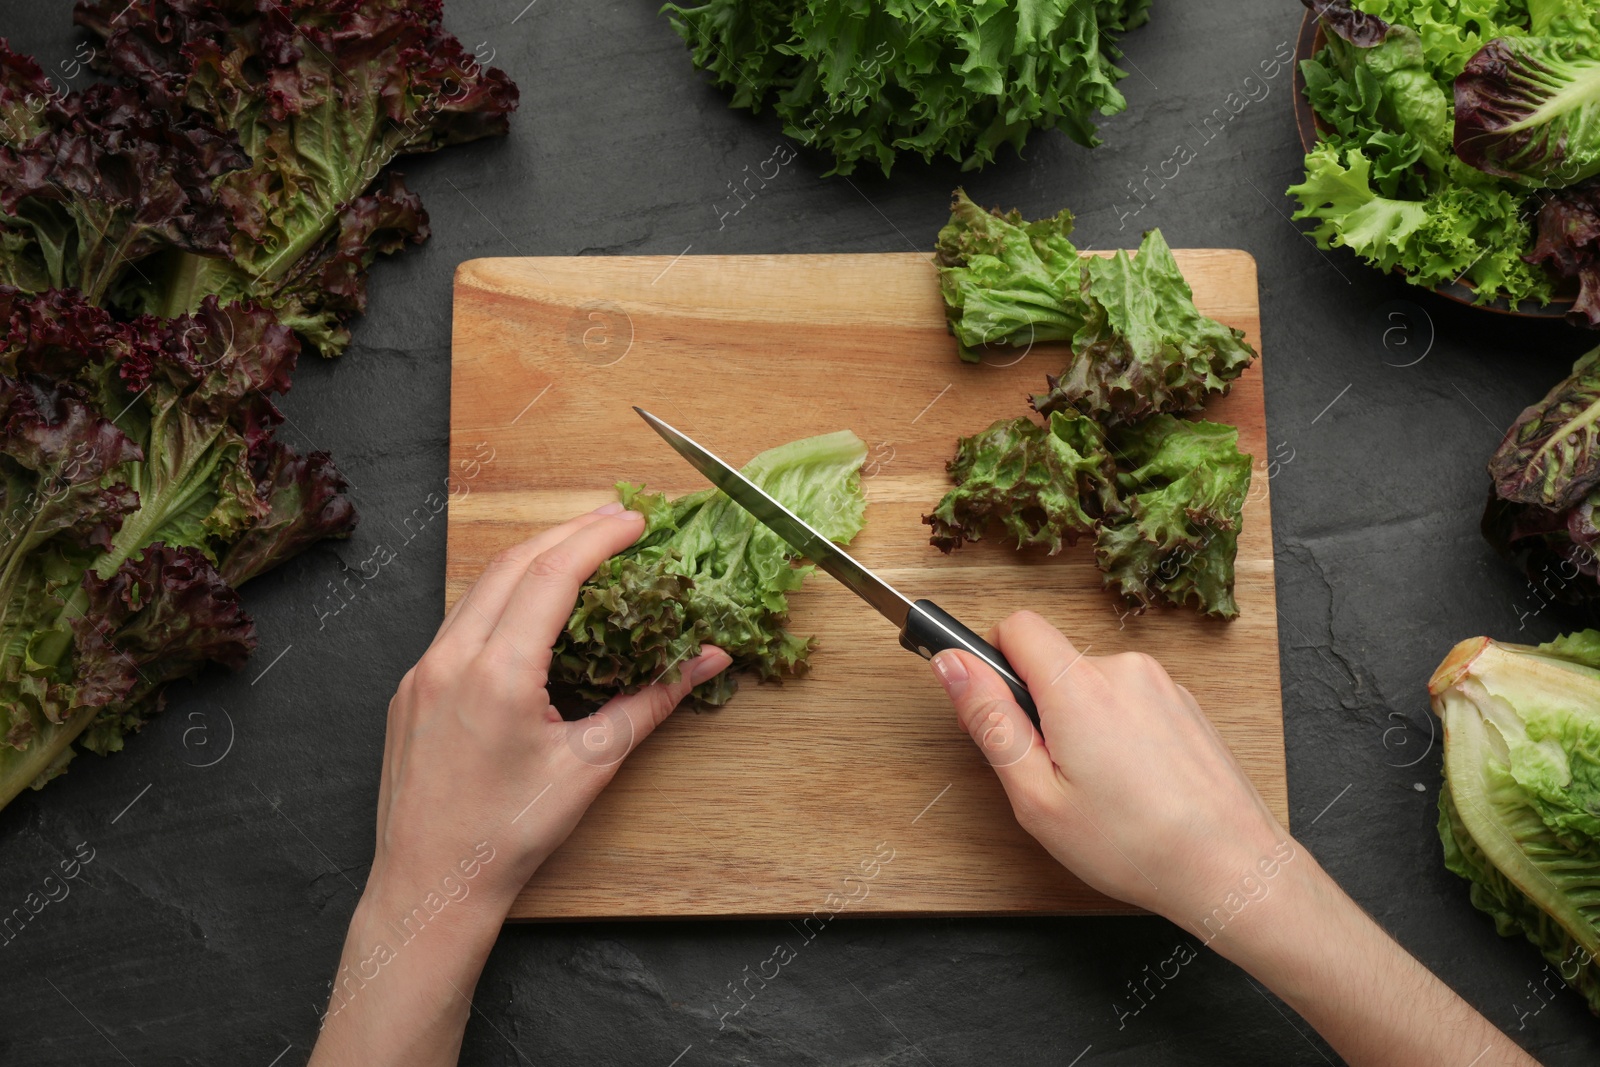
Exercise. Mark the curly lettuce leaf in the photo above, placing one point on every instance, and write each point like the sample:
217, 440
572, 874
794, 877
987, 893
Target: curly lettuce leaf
1185, 491
163, 614
1043, 485
1463, 233
1453, 30
60, 505
1528, 110
1143, 347
937, 78
105, 183
1570, 19
305, 502
706, 572
160, 616
193, 393
1006, 280
321, 98
1350, 106
134, 456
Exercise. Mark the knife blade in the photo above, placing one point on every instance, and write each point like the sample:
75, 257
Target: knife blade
925, 628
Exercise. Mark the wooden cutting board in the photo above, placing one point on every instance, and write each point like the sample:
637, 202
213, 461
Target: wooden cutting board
853, 789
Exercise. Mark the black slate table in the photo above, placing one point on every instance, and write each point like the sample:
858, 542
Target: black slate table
231, 839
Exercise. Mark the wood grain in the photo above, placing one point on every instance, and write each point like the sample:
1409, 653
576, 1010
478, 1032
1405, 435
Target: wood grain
766, 806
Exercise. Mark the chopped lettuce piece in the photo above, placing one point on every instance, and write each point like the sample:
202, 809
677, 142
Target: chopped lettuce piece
1143, 347
1005, 280
1043, 485
1185, 496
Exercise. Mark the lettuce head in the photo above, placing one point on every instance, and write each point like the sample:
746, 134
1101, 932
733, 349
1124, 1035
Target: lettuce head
1519, 813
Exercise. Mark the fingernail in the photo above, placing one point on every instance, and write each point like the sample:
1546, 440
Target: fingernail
951, 671
609, 509
709, 667
633, 515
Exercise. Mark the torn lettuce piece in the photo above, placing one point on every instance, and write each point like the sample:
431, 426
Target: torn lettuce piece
1005, 280
1043, 485
1143, 347
1139, 344
1471, 231
1528, 110
1185, 491
706, 572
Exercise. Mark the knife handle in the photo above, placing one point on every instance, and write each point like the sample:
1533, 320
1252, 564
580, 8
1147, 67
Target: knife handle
930, 630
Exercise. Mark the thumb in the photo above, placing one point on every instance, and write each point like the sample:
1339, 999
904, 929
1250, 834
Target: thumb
1000, 728
618, 726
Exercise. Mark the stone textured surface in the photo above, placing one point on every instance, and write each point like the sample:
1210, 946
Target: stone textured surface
206, 927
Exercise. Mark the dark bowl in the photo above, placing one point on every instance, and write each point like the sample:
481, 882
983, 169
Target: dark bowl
1306, 121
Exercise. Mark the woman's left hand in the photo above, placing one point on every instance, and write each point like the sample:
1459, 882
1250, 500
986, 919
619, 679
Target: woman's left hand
475, 750
482, 780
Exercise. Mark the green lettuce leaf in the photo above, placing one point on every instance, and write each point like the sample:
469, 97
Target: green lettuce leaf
1471, 233
1387, 62
1143, 346
1451, 32
1006, 280
1349, 105
1570, 19
1185, 490
1043, 485
1512, 910
706, 572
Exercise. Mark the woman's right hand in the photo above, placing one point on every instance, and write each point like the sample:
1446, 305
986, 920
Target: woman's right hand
1130, 786
1132, 789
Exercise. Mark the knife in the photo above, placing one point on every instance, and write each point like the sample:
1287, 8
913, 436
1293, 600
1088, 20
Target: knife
925, 628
